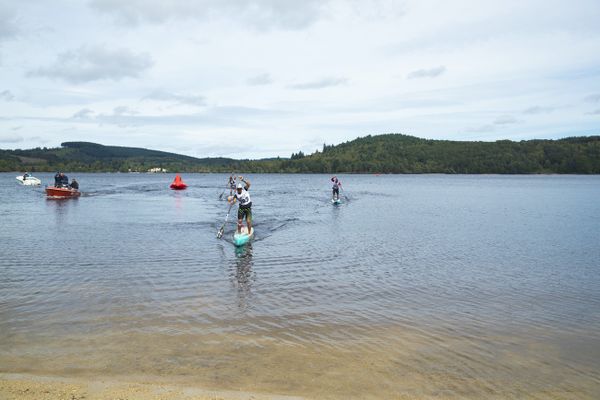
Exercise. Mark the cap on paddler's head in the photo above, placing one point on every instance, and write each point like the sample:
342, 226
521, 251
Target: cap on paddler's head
239, 186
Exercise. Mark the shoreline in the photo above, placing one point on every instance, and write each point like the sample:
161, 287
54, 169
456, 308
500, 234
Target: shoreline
37, 387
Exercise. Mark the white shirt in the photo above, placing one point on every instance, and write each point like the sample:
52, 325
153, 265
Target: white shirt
243, 198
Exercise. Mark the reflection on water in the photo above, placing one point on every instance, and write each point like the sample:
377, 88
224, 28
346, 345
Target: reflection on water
60, 209
440, 286
243, 275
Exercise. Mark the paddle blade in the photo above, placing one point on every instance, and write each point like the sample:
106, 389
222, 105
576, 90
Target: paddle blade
220, 233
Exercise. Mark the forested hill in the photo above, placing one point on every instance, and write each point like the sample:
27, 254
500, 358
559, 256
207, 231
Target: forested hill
391, 153
395, 153
92, 157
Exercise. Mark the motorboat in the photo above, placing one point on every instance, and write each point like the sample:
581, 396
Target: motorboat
27, 180
61, 192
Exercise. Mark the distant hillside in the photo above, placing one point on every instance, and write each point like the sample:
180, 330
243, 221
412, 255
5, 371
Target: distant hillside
395, 153
391, 153
85, 156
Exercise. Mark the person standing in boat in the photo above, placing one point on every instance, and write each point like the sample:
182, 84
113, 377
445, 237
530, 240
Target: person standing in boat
64, 180
336, 188
242, 196
57, 179
74, 184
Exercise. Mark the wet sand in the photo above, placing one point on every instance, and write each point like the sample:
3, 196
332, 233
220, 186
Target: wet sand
17, 386
387, 363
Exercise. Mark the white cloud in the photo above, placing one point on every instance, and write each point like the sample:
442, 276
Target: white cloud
92, 63
178, 98
538, 110
259, 80
257, 14
505, 120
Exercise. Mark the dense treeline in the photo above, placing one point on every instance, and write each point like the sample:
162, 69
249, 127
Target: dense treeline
395, 153
93, 157
391, 153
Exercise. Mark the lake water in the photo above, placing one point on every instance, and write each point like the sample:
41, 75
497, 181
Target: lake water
418, 285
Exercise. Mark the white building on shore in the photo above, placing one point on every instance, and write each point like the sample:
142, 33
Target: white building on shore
157, 170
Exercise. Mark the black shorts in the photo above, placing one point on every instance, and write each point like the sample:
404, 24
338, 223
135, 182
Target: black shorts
245, 212
336, 191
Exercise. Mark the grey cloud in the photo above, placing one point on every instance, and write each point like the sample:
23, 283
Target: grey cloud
84, 113
320, 84
16, 128
179, 98
124, 110
505, 120
11, 138
8, 22
481, 129
258, 80
538, 110
427, 73
91, 63
595, 112
257, 14
594, 98
6, 95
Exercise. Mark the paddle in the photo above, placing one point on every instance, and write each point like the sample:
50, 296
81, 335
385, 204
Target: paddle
343, 193
222, 230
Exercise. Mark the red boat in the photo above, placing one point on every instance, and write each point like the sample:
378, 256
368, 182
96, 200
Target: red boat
178, 184
62, 192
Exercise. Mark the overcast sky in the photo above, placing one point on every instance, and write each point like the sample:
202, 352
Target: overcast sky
261, 78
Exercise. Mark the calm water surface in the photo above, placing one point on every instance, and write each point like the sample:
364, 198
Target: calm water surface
425, 286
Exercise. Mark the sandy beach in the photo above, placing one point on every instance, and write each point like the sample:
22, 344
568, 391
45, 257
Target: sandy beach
25, 387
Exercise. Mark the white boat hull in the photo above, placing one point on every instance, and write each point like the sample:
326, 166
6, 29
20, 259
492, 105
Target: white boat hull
30, 181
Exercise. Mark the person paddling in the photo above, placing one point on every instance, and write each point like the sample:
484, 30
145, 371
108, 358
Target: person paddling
242, 196
336, 188
231, 184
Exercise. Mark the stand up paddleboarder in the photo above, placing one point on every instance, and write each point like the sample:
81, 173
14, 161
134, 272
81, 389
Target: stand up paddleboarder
242, 196
336, 188
231, 184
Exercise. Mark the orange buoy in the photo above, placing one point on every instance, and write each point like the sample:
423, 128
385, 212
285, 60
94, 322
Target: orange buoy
178, 184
